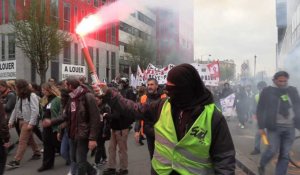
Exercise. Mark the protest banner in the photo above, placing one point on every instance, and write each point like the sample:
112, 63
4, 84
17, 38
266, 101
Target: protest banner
159, 74
209, 73
152, 72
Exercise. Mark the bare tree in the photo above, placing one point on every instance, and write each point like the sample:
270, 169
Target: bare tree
227, 73
37, 34
141, 52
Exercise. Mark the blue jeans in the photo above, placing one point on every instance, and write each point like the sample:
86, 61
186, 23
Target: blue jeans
78, 152
65, 151
282, 139
65, 147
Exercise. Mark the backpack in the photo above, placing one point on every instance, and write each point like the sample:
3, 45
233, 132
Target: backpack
106, 131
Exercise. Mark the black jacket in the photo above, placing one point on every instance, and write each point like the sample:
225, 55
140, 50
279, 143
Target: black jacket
268, 106
4, 131
148, 120
104, 131
226, 92
120, 121
243, 103
9, 102
222, 149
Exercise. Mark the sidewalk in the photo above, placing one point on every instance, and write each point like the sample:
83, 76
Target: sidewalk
244, 143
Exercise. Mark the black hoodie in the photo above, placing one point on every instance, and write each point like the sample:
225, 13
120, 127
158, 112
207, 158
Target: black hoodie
4, 131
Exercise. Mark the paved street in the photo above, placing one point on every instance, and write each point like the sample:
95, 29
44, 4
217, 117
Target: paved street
138, 156
138, 162
244, 144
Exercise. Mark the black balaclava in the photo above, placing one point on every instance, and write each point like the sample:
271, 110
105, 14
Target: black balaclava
189, 90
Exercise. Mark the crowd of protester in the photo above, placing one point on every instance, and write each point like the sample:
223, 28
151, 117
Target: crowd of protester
25, 105
75, 119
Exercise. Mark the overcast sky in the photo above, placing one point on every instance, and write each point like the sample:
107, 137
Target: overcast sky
238, 30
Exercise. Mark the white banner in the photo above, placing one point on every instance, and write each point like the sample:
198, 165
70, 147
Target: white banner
72, 70
209, 73
139, 77
8, 70
159, 74
133, 82
151, 72
227, 105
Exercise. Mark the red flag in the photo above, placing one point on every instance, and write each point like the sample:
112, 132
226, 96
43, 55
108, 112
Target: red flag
214, 69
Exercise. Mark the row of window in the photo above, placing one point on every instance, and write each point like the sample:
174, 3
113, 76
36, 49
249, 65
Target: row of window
54, 5
124, 69
296, 19
2, 12
296, 26
146, 19
110, 31
134, 31
292, 33
185, 43
96, 2
125, 45
11, 48
11, 10
66, 60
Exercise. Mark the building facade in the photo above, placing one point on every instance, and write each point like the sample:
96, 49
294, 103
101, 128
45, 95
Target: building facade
139, 25
175, 34
103, 44
288, 24
288, 45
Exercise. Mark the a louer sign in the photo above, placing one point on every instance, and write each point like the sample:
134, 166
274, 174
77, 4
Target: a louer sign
8, 70
72, 70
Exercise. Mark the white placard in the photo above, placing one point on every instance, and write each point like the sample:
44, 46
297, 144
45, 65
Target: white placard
209, 73
72, 70
152, 72
8, 70
227, 105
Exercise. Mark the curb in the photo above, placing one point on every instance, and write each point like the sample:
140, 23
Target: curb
247, 165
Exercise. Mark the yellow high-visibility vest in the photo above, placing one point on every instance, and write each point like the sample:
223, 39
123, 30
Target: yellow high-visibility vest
190, 155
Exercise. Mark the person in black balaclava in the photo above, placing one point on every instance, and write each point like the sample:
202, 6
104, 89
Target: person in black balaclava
186, 89
191, 135
188, 96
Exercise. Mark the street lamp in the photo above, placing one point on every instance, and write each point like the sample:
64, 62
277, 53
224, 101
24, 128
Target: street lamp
254, 65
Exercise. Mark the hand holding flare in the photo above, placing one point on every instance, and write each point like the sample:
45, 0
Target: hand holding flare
82, 29
264, 137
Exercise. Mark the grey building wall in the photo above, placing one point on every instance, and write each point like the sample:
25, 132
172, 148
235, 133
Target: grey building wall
24, 68
125, 37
